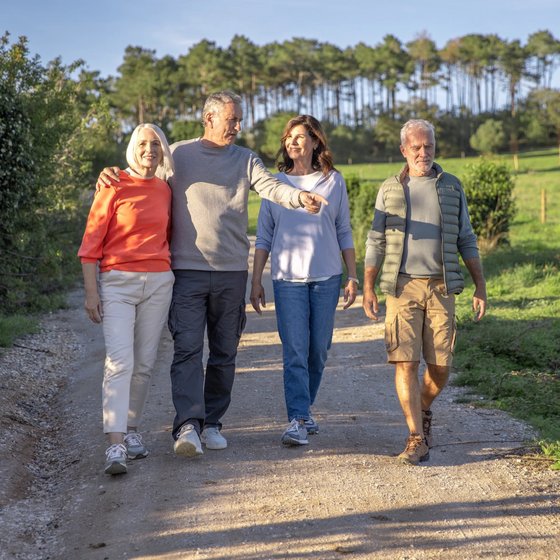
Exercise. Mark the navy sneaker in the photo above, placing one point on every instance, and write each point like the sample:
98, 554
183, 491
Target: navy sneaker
311, 426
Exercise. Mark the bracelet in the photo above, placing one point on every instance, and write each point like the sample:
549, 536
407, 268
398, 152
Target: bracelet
299, 200
352, 279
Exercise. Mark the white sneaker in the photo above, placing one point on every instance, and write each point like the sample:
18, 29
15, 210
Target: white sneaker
188, 442
213, 439
115, 459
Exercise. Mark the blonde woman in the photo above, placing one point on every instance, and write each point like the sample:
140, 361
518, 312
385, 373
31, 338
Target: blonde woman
128, 284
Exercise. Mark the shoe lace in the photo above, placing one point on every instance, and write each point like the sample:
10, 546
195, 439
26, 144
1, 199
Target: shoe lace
296, 426
115, 451
184, 429
412, 443
133, 439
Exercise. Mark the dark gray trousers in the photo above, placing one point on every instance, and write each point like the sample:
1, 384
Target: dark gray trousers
214, 301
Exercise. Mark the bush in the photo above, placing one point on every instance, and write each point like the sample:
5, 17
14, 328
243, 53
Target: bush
489, 190
361, 199
489, 137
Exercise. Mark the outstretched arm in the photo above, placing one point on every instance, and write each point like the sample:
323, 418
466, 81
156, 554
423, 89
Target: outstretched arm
312, 201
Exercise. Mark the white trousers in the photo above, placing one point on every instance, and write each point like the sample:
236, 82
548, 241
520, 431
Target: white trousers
135, 310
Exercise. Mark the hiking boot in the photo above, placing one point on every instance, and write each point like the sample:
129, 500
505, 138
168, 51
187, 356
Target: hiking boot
187, 443
416, 450
311, 426
115, 459
212, 438
427, 427
135, 448
295, 434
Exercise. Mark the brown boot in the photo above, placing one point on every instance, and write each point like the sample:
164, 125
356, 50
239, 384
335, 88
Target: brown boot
416, 450
427, 427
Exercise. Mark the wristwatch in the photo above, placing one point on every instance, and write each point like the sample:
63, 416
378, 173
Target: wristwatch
352, 279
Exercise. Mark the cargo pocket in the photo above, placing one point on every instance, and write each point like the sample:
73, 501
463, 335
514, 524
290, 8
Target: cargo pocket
453, 334
392, 334
242, 320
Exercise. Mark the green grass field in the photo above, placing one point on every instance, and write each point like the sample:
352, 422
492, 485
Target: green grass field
512, 358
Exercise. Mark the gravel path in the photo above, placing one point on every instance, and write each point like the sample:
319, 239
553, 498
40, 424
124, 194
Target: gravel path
343, 496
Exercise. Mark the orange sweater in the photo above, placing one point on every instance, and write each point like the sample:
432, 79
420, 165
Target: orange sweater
128, 226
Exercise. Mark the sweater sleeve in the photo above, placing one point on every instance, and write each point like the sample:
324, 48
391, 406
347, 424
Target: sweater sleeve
100, 214
466, 242
375, 244
269, 187
265, 227
342, 221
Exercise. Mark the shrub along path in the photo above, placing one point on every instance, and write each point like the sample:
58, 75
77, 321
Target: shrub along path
342, 496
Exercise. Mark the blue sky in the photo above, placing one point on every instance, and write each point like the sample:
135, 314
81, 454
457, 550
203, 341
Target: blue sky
99, 31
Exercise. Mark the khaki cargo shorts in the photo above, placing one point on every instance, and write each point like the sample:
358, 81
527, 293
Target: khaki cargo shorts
420, 321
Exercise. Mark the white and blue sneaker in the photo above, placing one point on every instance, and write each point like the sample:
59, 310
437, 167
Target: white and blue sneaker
115, 459
135, 448
295, 434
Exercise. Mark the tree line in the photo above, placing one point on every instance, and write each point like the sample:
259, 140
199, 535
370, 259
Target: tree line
358, 89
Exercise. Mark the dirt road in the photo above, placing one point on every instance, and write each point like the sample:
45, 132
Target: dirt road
342, 496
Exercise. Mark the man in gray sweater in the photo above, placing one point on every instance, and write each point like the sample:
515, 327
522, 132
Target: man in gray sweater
209, 257
421, 223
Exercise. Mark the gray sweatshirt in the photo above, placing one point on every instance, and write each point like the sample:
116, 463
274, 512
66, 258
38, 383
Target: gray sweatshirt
210, 195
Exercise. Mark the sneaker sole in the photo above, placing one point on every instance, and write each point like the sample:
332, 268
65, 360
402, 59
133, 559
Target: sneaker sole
294, 442
116, 468
186, 449
215, 447
137, 456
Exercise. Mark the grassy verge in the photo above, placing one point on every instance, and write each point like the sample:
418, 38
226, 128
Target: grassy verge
14, 326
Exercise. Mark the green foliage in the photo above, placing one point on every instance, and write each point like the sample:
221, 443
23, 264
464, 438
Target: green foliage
350, 144
14, 326
185, 130
512, 355
268, 134
53, 130
552, 451
489, 137
489, 190
361, 199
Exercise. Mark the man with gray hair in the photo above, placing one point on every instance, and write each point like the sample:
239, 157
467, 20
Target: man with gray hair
209, 257
421, 223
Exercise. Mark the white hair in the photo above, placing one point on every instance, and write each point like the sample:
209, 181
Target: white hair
216, 101
165, 168
416, 124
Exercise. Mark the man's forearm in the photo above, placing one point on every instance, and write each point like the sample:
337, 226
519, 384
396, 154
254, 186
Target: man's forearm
370, 276
474, 266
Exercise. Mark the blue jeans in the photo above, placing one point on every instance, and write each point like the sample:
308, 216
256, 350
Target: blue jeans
305, 316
